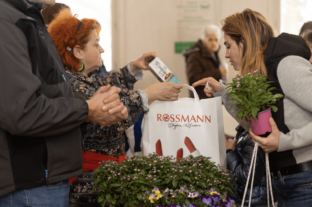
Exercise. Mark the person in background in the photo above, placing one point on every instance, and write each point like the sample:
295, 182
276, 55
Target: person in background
40, 116
252, 48
77, 42
49, 13
202, 59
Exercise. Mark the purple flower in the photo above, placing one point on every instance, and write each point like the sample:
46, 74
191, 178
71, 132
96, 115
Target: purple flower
193, 205
230, 200
215, 197
226, 204
159, 205
207, 201
212, 190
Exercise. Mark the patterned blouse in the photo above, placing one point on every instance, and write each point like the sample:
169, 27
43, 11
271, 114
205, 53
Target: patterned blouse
109, 140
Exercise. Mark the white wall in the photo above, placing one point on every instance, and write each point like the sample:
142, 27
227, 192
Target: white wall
140, 26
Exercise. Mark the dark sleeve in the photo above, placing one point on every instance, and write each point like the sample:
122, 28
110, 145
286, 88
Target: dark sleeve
240, 166
24, 110
196, 71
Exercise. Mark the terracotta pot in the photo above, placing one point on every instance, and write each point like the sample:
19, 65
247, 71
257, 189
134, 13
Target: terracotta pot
262, 126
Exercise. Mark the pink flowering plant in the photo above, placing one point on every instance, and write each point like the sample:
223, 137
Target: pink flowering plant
185, 197
128, 183
252, 94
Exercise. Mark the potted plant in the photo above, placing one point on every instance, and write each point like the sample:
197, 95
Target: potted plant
254, 101
128, 183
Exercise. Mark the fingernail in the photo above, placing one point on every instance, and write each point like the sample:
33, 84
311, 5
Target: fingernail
105, 101
111, 111
104, 108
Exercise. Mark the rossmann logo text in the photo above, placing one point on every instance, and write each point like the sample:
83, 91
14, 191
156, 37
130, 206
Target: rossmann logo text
183, 118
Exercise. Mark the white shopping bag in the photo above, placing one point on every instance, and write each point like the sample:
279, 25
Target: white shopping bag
199, 120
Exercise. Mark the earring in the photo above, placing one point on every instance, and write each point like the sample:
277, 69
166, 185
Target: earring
81, 67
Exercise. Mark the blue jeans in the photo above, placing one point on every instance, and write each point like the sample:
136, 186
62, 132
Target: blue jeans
44, 196
294, 190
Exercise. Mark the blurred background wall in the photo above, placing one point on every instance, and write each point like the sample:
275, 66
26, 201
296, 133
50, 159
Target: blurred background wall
140, 26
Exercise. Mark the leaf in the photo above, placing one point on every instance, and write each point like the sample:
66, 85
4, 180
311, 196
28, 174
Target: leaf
254, 112
202, 184
174, 183
140, 197
274, 108
278, 96
100, 199
115, 185
187, 203
109, 198
187, 178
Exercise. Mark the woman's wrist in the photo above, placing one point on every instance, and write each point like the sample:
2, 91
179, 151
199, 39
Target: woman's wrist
134, 69
150, 95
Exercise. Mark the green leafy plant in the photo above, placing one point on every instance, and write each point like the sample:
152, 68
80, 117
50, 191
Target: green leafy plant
127, 183
252, 94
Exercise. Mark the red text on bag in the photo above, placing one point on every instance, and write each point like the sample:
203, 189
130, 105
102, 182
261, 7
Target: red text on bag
183, 118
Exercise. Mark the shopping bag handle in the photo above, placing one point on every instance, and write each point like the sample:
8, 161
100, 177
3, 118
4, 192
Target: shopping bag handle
193, 90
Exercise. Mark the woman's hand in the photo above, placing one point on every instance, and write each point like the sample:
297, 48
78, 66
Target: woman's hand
164, 91
270, 143
215, 85
140, 64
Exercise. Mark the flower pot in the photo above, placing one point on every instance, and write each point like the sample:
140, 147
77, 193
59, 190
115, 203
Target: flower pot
262, 126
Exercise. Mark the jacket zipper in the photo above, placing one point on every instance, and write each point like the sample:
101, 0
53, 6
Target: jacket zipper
46, 173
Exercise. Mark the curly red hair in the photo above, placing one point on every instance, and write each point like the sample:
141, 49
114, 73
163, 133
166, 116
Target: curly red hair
63, 30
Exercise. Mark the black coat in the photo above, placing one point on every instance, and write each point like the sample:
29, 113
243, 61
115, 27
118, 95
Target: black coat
201, 63
238, 162
40, 137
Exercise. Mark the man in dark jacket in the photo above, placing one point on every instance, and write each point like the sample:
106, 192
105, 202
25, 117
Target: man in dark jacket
40, 138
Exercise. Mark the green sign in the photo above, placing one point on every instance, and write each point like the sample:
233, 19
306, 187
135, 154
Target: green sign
179, 47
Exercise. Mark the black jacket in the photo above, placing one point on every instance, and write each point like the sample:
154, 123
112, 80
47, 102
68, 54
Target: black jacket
201, 63
40, 138
238, 162
278, 48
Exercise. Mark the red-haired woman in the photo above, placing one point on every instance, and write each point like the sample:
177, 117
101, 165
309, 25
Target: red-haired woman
77, 43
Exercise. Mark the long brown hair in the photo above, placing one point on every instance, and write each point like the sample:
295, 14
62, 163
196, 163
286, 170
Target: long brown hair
253, 30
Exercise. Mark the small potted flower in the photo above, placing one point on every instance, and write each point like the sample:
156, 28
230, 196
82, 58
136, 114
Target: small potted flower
253, 98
